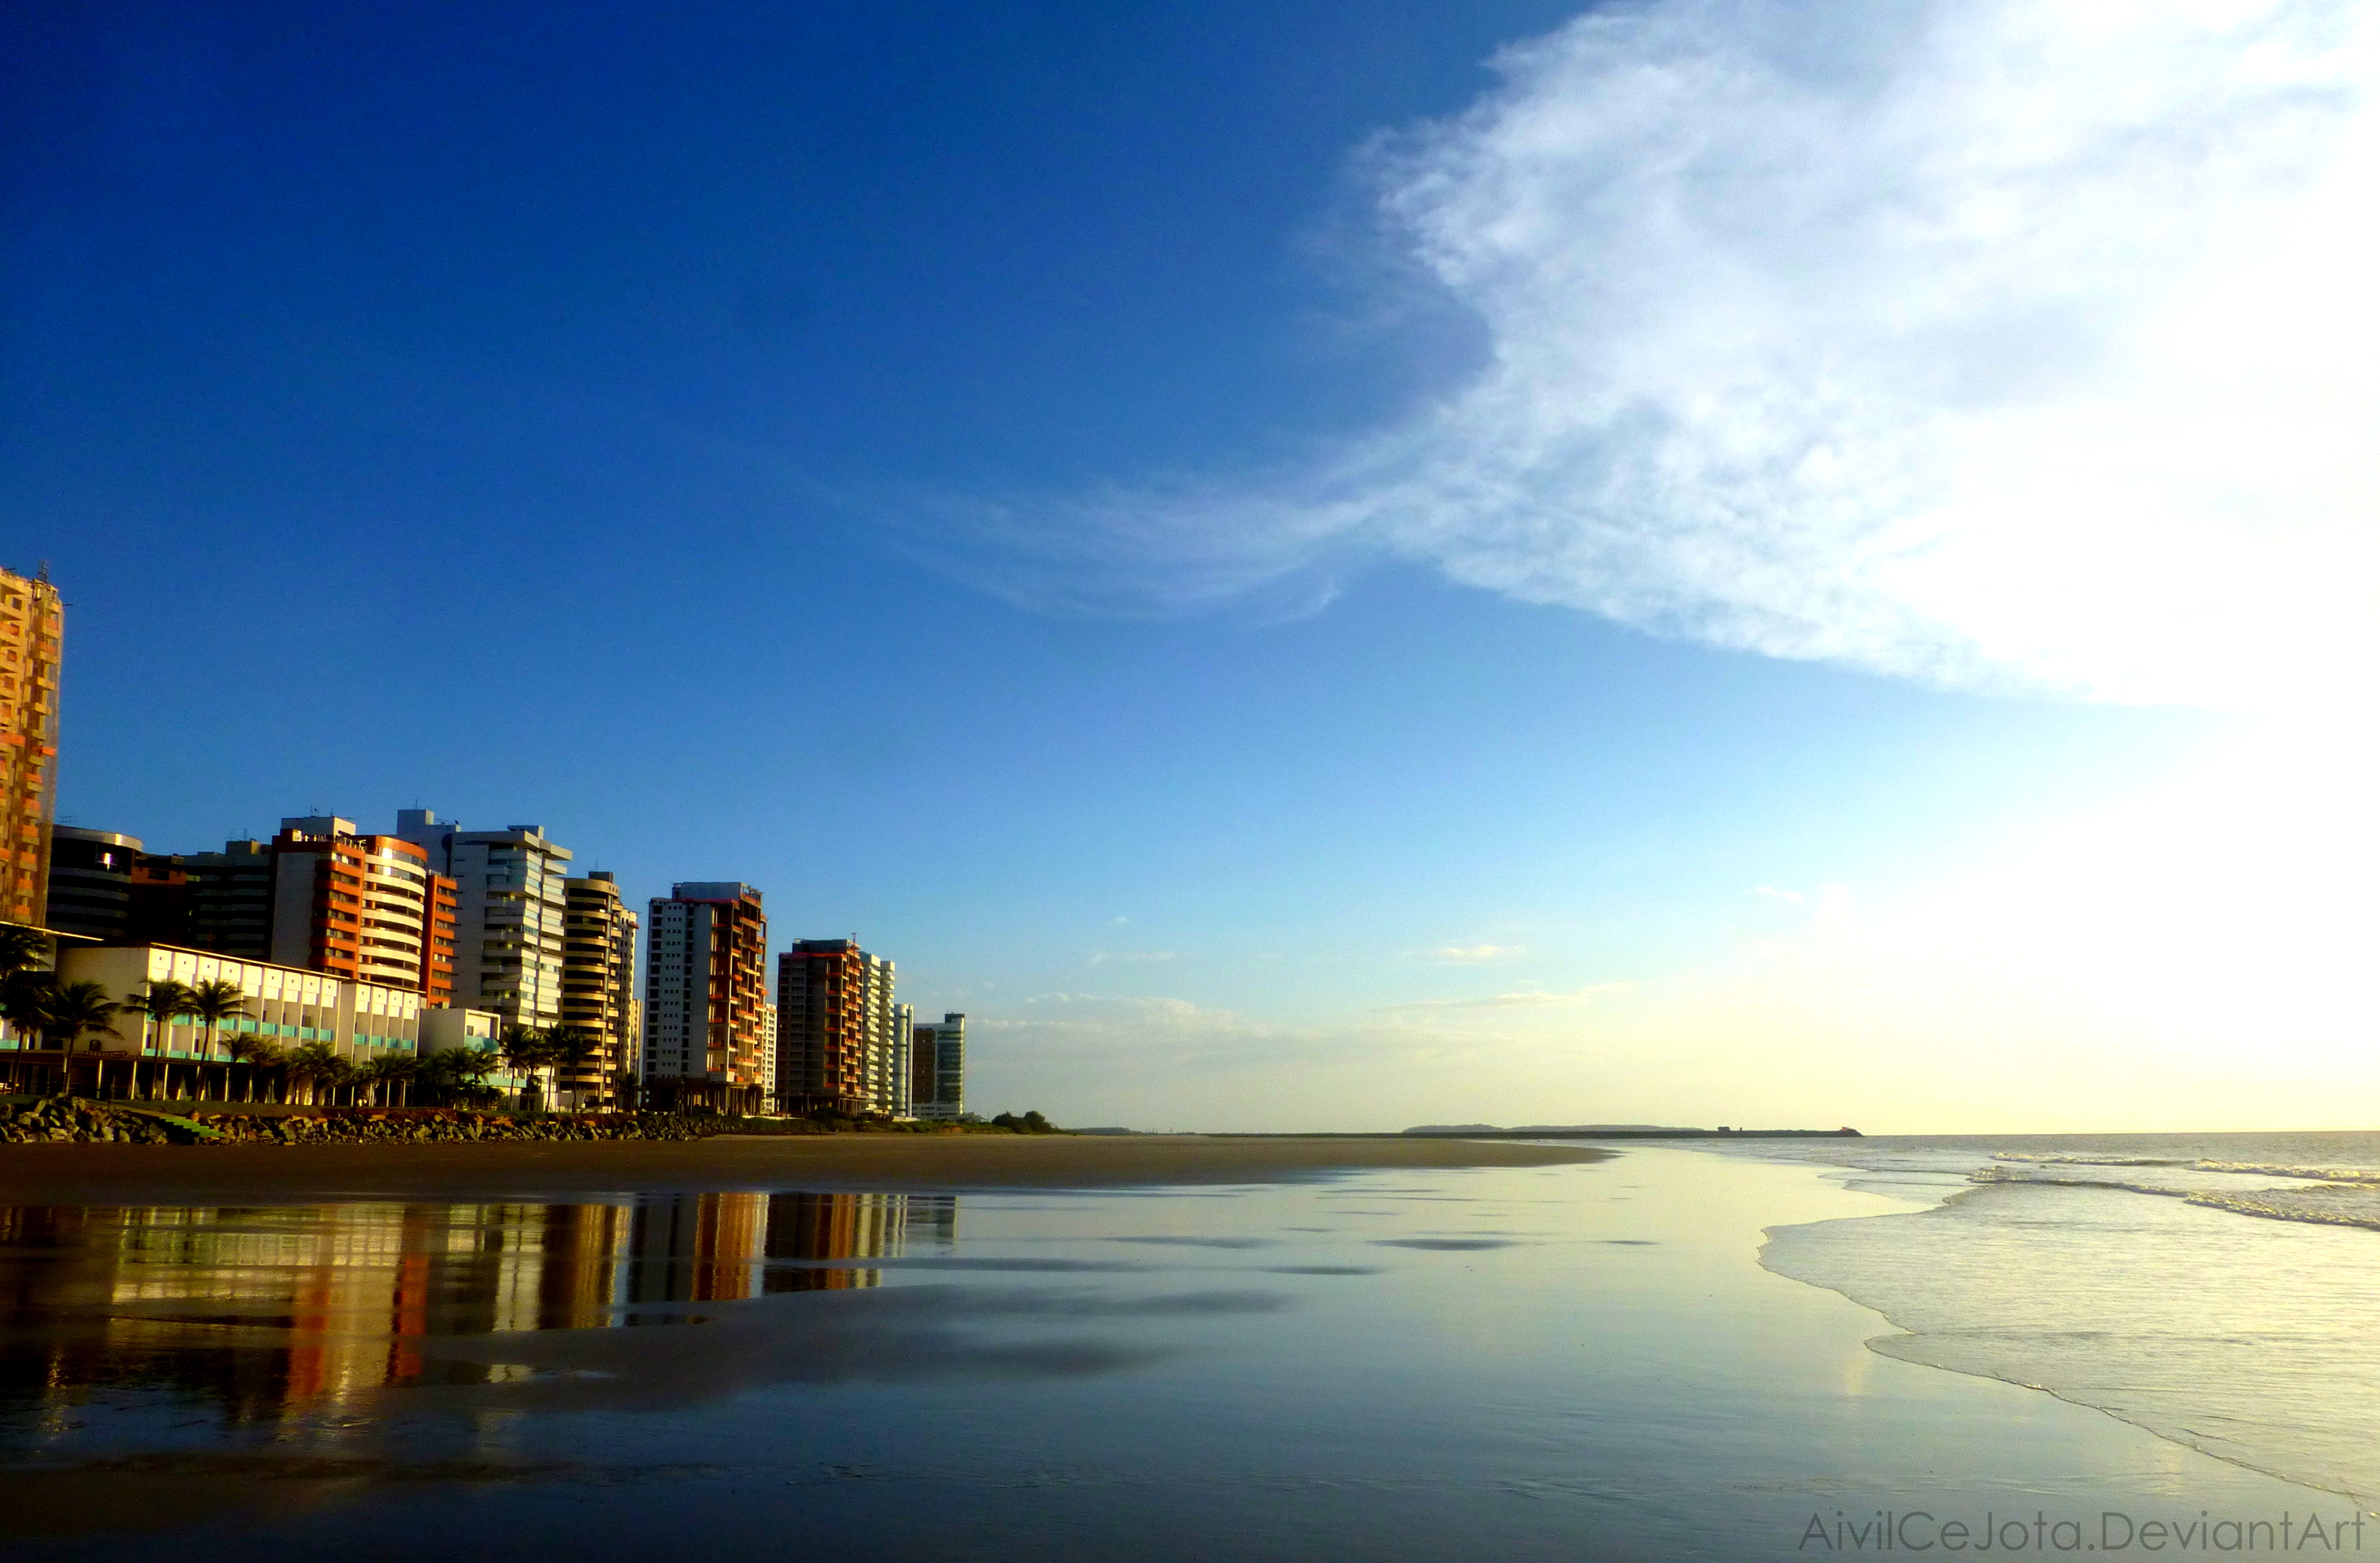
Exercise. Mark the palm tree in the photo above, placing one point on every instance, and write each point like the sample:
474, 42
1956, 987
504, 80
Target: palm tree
25, 996
457, 1072
22, 949
160, 1003
318, 1063
78, 1009
526, 1050
256, 1053
23, 955
213, 1002
390, 1069
573, 1045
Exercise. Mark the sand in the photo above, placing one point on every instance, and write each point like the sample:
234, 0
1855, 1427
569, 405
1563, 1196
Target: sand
116, 1175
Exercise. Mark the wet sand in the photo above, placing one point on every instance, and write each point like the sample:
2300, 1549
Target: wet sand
116, 1175
1535, 1363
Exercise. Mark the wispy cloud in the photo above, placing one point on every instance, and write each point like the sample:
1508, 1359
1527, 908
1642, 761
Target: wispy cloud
1528, 1000
2006, 343
1466, 955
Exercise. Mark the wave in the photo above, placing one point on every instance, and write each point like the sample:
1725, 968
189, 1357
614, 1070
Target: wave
2252, 1169
2352, 1199
1996, 1175
2316, 1174
2306, 1204
2045, 1158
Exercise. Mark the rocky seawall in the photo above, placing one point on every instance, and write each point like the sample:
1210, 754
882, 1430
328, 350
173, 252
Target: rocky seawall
75, 1121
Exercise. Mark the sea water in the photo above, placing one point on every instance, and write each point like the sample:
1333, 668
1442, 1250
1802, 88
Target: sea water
2220, 1289
1565, 1363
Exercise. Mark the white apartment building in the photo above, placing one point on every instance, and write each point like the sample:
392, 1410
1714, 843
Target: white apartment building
510, 907
482, 1031
769, 1051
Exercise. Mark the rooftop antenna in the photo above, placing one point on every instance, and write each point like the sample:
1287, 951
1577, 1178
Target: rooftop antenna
42, 573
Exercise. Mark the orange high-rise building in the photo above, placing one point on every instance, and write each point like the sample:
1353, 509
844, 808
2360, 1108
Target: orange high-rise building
839, 1045
365, 908
33, 625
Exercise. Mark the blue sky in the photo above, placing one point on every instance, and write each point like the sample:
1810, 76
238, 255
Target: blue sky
1205, 535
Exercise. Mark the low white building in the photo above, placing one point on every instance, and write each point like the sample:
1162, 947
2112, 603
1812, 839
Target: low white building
286, 1004
482, 1031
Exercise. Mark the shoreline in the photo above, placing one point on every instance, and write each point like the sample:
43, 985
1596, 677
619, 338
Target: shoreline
2195, 1374
120, 1174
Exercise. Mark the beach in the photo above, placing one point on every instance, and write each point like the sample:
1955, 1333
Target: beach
1268, 1349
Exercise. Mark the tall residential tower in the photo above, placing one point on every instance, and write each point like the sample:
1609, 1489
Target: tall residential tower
32, 625
838, 1044
359, 907
707, 1011
509, 907
938, 1068
599, 988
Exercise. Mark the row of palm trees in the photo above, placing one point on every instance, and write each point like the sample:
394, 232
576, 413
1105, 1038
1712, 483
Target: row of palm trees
62, 1014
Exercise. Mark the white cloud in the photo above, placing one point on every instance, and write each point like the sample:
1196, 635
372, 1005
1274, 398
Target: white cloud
1466, 955
2006, 343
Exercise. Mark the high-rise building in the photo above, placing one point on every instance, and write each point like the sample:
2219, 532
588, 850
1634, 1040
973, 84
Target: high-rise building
32, 625
91, 882
836, 1042
509, 910
598, 987
706, 999
769, 1054
356, 906
938, 1068
905, 1091
157, 910
217, 901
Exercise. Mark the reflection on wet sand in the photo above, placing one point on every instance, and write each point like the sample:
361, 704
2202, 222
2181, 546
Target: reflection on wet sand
261, 1312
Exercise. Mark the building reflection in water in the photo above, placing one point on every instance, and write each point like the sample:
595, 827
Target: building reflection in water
270, 1312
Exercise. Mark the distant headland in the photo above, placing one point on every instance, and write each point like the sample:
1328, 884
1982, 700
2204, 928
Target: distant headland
1617, 1131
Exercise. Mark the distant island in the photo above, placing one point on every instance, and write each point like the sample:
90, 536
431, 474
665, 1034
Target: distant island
1550, 1128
